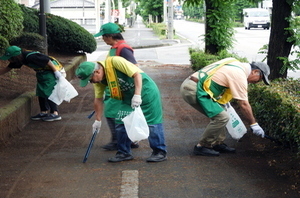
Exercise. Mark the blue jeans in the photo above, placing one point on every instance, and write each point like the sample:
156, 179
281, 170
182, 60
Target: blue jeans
156, 138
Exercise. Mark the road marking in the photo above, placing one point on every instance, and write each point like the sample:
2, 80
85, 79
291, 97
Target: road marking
130, 184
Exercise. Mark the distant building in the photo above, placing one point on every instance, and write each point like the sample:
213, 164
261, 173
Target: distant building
79, 11
84, 12
27, 3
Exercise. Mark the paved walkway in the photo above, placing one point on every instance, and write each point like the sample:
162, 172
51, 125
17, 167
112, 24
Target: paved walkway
145, 43
45, 158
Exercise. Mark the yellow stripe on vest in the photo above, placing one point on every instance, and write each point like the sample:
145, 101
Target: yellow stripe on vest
112, 80
227, 96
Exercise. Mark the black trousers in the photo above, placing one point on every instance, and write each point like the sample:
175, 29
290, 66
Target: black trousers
46, 105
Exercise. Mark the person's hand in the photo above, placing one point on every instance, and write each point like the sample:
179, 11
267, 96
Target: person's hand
136, 101
96, 126
57, 74
257, 130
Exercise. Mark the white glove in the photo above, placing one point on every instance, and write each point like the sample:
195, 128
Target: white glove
257, 130
57, 74
136, 101
96, 126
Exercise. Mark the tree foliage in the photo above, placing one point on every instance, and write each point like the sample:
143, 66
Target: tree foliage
239, 5
11, 20
218, 24
153, 8
193, 11
219, 27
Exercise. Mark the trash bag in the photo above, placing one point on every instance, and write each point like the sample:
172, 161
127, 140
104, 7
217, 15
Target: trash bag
136, 126
63, 91
235, 125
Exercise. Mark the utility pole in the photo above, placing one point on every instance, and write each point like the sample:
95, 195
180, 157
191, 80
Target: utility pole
42, 25
112, 17
97, 8
165, 11
107, 11
170, 19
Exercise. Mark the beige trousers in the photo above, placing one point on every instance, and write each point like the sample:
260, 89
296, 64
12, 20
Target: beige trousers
215, 131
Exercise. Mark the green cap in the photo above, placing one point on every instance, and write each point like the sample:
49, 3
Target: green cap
108, 28
84, 72
11, 52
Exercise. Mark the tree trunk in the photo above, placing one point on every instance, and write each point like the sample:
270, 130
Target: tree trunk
209, 48
278, 45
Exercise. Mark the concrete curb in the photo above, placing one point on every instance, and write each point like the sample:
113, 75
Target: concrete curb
16, 115
152, 44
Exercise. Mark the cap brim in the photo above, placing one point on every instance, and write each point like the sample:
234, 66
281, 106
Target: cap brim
5, 57
266, 80
98, 34
84, 82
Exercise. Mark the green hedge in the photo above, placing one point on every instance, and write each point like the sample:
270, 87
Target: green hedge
31, 19
158, 28
199, 59
63, 35
10, 23
277, 110
3, 45
67, 36
31, 41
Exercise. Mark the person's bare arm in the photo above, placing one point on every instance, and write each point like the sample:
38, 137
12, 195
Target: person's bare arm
138, 83
98, 107
247, 111
52, 66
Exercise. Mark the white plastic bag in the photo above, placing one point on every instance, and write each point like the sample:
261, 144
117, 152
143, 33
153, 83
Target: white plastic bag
63, 91
136, 126
235, 126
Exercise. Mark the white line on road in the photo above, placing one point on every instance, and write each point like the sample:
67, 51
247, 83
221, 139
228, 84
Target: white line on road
130, 184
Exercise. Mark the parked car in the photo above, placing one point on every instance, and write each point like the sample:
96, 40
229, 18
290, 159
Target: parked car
256, 18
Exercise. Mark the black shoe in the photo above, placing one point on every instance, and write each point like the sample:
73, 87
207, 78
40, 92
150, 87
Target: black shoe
223, 148
157, 156
121, 157
134, 145
110, 146
205, 151
51, 117
39, 116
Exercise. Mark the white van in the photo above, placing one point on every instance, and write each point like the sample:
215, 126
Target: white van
256, 18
